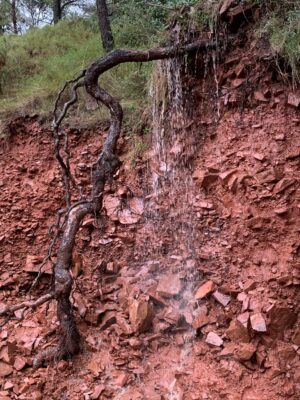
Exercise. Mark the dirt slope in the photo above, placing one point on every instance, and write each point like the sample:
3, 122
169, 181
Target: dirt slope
188, 286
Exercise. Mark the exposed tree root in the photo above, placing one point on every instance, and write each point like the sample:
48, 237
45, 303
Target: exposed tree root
102, 171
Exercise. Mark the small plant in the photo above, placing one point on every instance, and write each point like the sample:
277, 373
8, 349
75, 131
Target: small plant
282, 28
138, 147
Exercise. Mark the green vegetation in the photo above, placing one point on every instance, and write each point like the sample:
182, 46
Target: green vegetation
282, 27
34, 66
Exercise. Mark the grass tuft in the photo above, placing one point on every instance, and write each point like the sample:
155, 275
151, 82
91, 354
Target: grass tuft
281, 25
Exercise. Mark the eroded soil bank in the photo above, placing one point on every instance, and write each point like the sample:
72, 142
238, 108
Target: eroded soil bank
188, 286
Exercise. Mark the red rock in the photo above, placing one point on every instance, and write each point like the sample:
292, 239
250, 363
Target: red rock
127, 217
259, 96
241, 296
258, 156
244, 318
225, 176
204, 290
108, 320
255, 304
237, 82
205, 204
7, 258
250, 284
156, 299
122, 379
296, 337
8, 352
232, 183
285, 351
92, 316
81, 305
135, 343
281, 210
222, 298
77, 265
169, 286
198, 174
33, 264
94, 366
237, 332
140, 314
26, 336
20, 363
239, 70
258, 322
295, 153
229, 349
112, 205
150, 394
293, 99
281, 318
7, 279
5, 369
8, 385
200, 321
213, 339
200, 348
173, 316
111, 268
204, 178
297, 377
97, 392
36, 395
3, 333
245, 351
282, 185
136, 205
260, 358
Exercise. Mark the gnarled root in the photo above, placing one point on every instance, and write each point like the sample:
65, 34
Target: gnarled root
103, 170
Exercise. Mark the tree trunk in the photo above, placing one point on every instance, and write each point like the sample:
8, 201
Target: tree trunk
57, 11
104, 25
14, 16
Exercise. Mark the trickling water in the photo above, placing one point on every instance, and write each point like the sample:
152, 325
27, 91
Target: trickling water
170, 234
171, 217
214, 62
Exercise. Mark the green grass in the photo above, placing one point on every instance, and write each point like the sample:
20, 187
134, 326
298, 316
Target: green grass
284, 36
281, 25
33, 67
37, 63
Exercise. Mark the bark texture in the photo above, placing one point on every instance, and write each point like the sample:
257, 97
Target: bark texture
104, 25
57, 11
14, 16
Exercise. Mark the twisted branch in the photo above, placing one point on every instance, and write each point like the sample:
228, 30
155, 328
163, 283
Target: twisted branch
103, 170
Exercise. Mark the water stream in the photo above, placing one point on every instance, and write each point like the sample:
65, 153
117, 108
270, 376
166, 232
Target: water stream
171, 213
170, 227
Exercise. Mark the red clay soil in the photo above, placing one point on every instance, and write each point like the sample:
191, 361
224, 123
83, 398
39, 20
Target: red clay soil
178, 295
